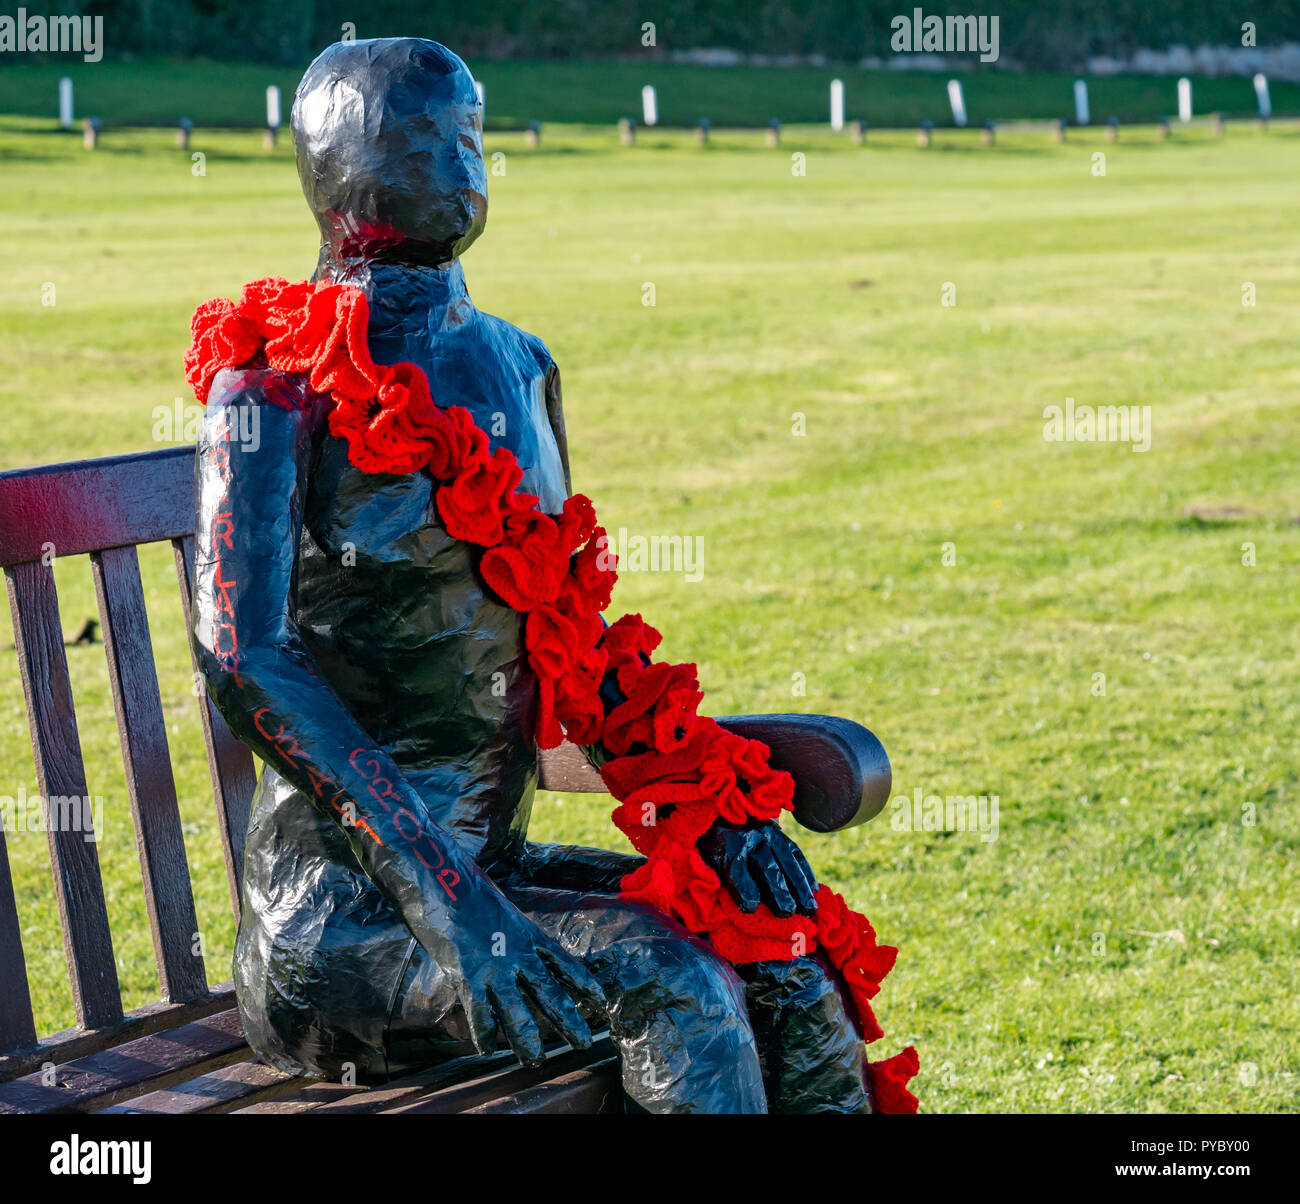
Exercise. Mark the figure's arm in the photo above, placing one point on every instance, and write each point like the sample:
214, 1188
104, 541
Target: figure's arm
758, 862
577, 868
267, 686
841, 778
555, 415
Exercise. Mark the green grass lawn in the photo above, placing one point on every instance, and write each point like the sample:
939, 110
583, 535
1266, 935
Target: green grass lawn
1128, 942
161, 92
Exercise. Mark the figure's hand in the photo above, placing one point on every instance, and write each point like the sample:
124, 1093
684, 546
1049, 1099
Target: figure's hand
533, 979
760, 864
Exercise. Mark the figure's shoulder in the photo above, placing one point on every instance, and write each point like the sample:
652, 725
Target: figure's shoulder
251, 408
505, 334
259, 387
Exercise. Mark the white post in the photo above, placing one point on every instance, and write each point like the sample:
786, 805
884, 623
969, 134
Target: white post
958, 103
1081, 114
650, 105
1184, 99
482, 92
837, 105
65, 103
1261, 95
273, 108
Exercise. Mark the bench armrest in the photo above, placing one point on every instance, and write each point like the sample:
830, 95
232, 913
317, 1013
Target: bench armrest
841, 771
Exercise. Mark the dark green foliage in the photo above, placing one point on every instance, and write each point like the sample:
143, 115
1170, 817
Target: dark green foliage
1039, 36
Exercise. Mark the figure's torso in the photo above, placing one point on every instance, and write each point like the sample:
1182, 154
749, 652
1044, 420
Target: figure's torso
393, 608
431, 664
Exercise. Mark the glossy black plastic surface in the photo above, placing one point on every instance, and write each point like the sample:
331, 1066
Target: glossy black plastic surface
394, 911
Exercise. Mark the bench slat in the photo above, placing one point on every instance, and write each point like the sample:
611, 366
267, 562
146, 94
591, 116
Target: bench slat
139, 1022
256, 1089
88, 505
131, 1069
566, 768
229, 761
465, 1096
593, 1089
221, 1091
449, 1088
17, 1027
142, 732
327, 1097
38, 638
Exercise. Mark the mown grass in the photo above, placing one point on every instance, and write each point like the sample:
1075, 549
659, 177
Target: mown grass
162, 91
1128, 942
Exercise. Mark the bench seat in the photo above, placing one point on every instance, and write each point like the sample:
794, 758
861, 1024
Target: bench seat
206, 1066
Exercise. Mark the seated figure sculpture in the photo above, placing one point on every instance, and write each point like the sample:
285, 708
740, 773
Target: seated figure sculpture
396, 680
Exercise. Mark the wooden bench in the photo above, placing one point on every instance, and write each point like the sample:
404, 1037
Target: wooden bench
187, 1053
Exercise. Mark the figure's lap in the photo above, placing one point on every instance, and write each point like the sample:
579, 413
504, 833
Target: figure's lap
693, 1033
677, 1010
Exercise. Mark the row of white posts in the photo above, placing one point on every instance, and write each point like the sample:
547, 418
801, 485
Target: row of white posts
957, 101
650, 103
274, 116
1082, 116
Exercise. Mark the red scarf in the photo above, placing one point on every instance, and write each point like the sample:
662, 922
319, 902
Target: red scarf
557, 571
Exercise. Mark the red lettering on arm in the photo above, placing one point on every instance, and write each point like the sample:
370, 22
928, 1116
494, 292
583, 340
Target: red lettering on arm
410, 827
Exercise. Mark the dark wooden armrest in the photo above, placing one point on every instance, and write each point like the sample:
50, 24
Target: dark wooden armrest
841, 771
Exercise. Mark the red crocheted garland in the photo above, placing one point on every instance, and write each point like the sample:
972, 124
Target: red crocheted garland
688, 771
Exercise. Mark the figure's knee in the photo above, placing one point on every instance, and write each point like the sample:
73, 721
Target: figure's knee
805, 983
813, 1058
648, 962
668, 972
679, 1014
676, 1009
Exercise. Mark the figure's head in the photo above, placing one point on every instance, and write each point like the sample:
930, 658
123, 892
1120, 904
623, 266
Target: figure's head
388, 134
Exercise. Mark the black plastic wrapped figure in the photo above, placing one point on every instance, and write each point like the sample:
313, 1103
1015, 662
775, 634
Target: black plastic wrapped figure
373, 661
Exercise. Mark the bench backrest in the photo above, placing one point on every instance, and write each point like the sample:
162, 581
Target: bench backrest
106, 508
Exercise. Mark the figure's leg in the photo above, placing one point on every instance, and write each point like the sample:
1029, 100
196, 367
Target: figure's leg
677, 1011
576, 868
427, 1024
813, 1059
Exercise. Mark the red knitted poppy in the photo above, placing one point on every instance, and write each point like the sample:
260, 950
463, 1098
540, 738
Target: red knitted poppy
673, 771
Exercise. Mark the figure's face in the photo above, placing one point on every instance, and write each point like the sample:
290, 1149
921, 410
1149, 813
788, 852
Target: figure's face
388, 134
